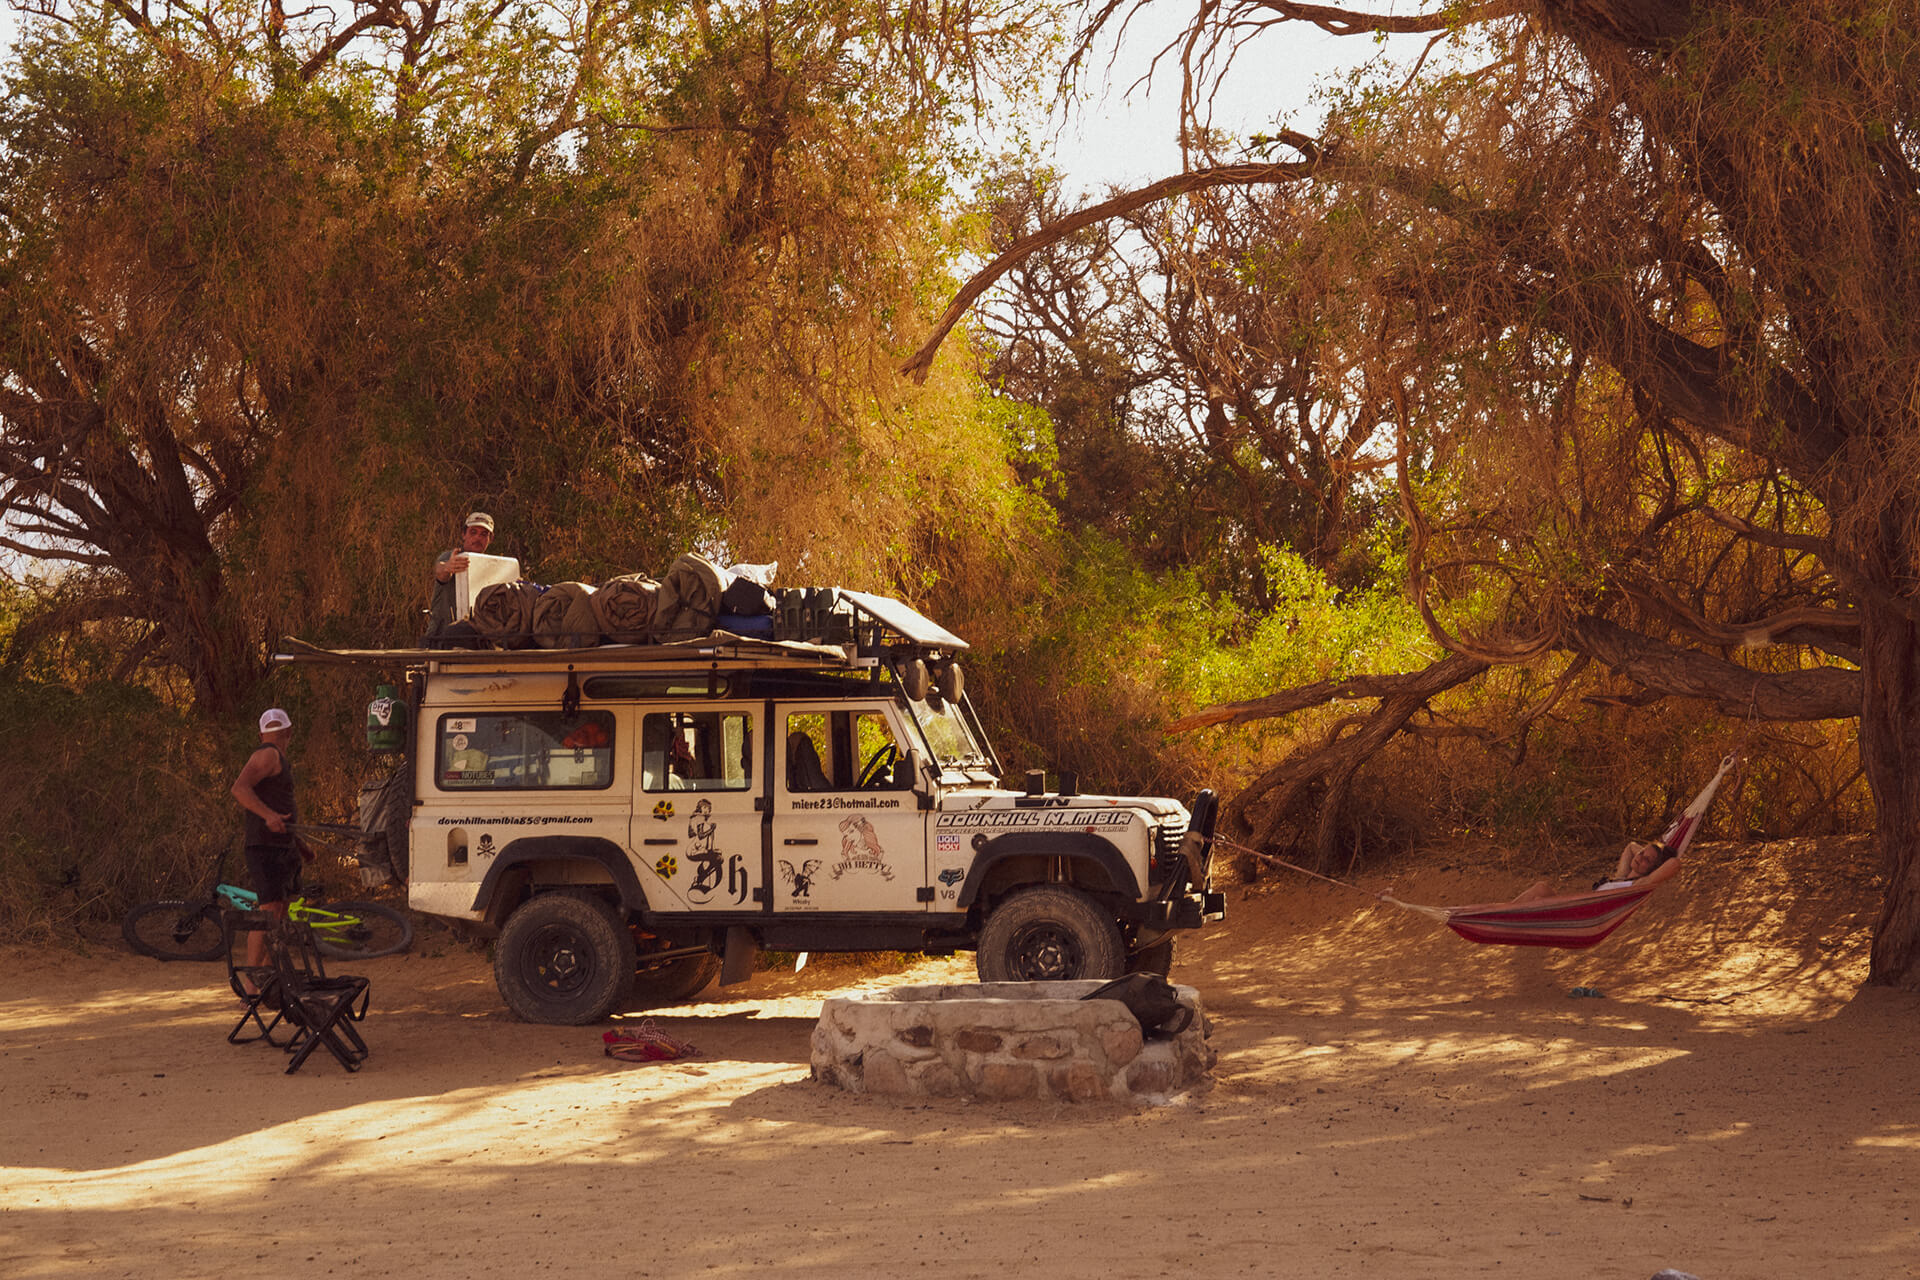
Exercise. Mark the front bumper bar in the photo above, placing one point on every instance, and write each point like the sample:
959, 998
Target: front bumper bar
1188, 911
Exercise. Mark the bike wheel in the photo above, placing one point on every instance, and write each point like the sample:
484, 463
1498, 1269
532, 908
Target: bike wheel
175, 931
360, 930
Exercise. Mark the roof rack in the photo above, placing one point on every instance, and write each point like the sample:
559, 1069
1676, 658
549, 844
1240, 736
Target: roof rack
869, 628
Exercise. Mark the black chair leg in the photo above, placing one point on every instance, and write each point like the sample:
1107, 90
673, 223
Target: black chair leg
268, 996
327, 1032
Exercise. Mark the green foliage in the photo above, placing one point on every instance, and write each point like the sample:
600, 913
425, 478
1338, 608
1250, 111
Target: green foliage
1315, 631
1092, 668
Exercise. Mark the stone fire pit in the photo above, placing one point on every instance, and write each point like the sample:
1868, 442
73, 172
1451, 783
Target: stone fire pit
1006, 1040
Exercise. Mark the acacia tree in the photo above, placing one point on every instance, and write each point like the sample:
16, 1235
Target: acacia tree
287, 289
1653, 269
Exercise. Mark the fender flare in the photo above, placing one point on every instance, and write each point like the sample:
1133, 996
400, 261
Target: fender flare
597, 850
1078, 846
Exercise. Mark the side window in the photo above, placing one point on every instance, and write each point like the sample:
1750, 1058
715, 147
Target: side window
525, 751
841, 751
877, 752
696, 751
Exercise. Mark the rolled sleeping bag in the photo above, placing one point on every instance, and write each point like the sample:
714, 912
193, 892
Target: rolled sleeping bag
564, 618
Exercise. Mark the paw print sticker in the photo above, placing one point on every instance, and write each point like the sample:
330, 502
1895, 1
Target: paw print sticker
663, 811
667, 865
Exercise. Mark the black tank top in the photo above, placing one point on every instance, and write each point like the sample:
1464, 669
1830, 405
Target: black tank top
277, 793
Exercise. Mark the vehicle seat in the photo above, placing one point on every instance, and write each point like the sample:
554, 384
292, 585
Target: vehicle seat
803, 765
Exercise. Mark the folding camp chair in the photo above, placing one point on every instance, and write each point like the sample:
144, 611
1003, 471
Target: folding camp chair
321, 1008
263, 979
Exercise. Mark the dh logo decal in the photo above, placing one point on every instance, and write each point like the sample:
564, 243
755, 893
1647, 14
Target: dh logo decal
707, 861
663, 811
860, 849
485, 848
667, 867
702, 856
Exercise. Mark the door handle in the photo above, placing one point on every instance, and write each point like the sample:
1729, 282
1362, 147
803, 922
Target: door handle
660, 840
800, 840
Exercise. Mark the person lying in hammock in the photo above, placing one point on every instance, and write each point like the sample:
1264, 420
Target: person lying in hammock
1641, 866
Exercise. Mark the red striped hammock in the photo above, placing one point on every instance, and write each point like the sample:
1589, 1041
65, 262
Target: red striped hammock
1578, 920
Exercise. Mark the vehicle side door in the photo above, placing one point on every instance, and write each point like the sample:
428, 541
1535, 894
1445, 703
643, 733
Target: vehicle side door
696, 825
847, 832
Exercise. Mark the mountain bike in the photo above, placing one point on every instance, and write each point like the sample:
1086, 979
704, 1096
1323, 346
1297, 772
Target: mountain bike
190, 929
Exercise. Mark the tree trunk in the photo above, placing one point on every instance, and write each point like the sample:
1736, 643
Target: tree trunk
1890, 753
1309, 789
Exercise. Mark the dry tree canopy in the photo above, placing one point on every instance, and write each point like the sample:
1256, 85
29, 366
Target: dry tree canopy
286, 289
1640, 285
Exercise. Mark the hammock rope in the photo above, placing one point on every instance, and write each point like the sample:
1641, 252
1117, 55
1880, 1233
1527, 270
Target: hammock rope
1572, 921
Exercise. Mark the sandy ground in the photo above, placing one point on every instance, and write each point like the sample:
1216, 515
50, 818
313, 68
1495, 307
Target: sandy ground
1391, 1101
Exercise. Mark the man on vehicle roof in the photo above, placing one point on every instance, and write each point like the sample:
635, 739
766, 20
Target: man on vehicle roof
476, 535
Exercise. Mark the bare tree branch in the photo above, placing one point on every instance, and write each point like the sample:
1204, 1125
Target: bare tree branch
1820, 693
920, 363
1341, 21
1437, 678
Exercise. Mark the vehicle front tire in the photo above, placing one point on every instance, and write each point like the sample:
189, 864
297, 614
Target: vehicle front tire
564, 960
1049, 934
674, 981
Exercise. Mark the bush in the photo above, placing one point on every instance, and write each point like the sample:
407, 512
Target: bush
113, 798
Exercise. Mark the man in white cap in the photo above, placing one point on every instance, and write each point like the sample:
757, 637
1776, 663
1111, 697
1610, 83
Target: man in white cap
475, 537
265, 791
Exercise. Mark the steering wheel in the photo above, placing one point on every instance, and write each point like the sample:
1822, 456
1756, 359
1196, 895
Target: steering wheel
874, 774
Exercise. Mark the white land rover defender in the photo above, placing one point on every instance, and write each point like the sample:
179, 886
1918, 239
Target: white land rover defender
635, 819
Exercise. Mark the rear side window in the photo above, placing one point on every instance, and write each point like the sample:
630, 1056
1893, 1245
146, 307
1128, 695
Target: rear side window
526, 751
696, 751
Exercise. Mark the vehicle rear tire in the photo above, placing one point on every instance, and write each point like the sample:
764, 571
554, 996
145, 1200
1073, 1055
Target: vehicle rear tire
673, 981
171, 930
382, 931
1049, 934
564, 960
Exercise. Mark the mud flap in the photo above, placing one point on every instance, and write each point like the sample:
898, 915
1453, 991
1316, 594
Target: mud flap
736, 965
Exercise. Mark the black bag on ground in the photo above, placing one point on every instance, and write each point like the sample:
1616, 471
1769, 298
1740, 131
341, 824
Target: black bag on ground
1151, 1000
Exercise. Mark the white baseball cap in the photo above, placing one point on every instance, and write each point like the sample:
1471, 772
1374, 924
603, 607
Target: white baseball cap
274, 718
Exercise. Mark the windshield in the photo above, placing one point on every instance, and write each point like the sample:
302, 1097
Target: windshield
952, 742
